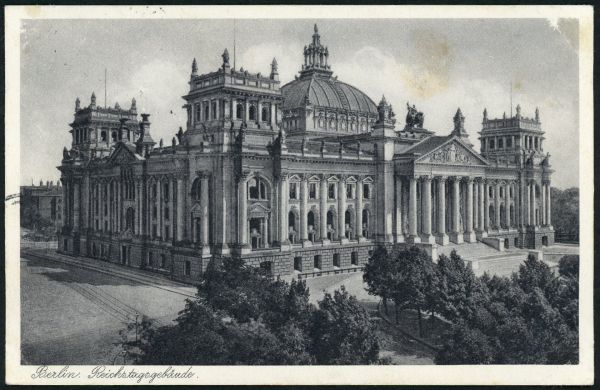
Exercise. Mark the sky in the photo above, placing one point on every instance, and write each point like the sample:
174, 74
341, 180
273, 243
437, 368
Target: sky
437, 64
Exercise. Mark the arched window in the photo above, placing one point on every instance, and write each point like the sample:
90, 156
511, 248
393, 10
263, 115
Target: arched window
348, 224
239, 111
311, 222
292, 228
265, 114
252, 112
330, 224
113, 136
196, 189
365, 222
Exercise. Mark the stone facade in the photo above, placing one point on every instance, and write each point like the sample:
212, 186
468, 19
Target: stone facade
305, 177
46, 199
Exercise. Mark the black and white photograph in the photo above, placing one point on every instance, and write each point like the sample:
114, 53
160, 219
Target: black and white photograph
299, 195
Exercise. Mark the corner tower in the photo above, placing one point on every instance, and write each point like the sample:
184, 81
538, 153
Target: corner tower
512, 140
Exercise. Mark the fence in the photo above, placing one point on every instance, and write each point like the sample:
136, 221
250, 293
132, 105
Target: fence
566, 237
313, 274
39, 244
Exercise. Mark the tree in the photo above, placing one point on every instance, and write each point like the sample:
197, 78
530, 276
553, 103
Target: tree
565, 211
377, 275
412, 278
241, 316
465, 346
568, 266
342, 332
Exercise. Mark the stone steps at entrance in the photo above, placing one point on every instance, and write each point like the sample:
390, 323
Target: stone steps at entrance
487, 259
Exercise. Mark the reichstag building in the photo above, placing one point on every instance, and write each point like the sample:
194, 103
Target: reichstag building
304, 177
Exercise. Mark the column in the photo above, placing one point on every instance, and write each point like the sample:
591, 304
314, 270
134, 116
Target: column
303, 211
456, 236
64, 202
323, 208
412, 212
486, 205
543, 217
528, 197
86, 223
398, 206
247, 114
242, 214
549, 206
159, 209
75, 206
179, 220
497, 206
283, 210
533, 204
469, 235
204, 201
442, 237
138, 207
341, 195
475, 206
507, 205
426, 236
481, 204
109, 204
359, 210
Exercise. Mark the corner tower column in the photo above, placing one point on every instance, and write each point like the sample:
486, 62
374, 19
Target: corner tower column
323, 209
398, 213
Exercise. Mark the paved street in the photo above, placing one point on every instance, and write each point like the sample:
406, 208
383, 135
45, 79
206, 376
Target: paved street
71, 315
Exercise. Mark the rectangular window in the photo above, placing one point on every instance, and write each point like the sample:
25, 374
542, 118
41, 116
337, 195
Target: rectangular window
366, 191
167, 235
293, 190
500, 143
336, 260
509, 143
354, 258
166, 192
491, 144
150, 259
213, 110
298, 263
163, 261
197, 111
350, 189
317, 262
188, 268
166, 213
154, 212
331, 191
154, 230
312, 190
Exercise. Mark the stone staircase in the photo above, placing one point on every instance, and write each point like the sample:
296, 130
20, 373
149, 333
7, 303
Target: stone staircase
484, 258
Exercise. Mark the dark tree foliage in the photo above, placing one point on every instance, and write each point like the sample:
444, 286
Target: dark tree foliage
529, 318
378, 275
240, 316
565, 211
568, 266
342, 332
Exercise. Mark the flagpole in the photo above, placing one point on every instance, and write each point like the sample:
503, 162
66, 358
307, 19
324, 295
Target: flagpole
105, 88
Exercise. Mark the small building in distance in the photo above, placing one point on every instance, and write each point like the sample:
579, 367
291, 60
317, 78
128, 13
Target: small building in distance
45, 199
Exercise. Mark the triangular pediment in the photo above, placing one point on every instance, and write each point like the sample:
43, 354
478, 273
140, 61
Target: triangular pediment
452, 152
122, 155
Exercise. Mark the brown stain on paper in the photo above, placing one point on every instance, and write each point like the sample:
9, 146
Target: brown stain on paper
434, 59
33, 11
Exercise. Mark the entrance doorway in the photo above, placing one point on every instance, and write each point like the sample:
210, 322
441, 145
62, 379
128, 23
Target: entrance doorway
506, 243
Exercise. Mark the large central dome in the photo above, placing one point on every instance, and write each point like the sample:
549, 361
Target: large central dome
325, 92
317, 102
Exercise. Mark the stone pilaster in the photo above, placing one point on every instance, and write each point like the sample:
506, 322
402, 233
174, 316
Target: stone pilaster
204, 203
180, 200
242, 213
442, 237
303, 210
399, 233
283, 211
359, 210
341, 231
469, 235
413, 237
507, 205
456, 235
426, 235
323, 209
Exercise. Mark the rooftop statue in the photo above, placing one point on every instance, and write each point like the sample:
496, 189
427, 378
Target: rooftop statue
414, 118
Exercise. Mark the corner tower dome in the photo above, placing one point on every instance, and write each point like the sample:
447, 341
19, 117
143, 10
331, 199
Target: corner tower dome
317, 102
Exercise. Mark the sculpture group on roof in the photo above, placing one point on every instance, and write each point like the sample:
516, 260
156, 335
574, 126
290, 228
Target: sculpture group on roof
414, 118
